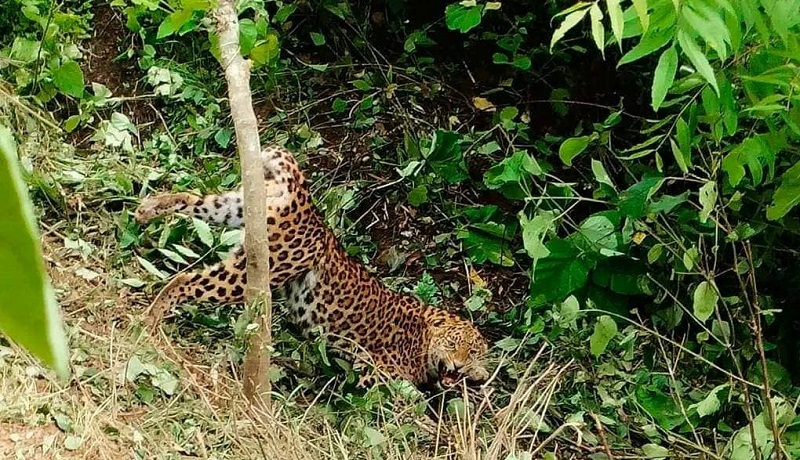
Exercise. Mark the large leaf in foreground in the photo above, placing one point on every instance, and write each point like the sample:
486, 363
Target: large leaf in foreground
28, 311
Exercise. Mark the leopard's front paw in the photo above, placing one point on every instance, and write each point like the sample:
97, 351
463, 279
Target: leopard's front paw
158, 205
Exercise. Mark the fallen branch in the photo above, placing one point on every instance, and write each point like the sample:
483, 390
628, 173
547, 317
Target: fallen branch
256, 239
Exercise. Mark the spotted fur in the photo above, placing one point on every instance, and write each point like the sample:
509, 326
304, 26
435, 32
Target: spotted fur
325, 289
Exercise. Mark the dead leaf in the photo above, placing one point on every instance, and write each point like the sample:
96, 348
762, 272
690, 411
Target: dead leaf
481, 103
476, 279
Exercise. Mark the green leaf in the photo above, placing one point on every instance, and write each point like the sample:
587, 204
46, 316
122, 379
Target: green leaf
655, 451
534, 232
617, 20
512, 170
418, 195
652, 41
68, 78
28, 311
508, 344
742, 443
204, 232
463, 18
373, 437
641, 10
569, 311
633, 201
604, 330
600, 174
488, 242
787, 195
248, 34
705, 300
598, 30
559, 274
173, 23
72, 442
710, 404
317, 38
572, 147
445, 157
266, 51
708, 199
664, 76
709, 24
150, 268
568, 23
698, 59
679, 156
600, 234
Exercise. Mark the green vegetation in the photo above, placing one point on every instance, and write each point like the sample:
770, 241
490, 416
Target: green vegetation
608, 188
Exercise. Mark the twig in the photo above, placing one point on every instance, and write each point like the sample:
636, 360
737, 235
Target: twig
602, 433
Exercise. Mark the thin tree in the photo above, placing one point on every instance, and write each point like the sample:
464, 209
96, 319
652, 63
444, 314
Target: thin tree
256, 239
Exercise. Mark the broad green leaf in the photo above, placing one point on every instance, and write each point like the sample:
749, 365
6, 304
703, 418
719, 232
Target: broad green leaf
664, 76
445, 157
600, 234
28, 311
463, 18
569, 311
598, 30
568, 23
513, 169
708, 199
68, 78
783, 15
604, 330
655, 452
572, 147
488, 242
705, 300
173, 23
641, 10
660, 406
710, 404
787, 195
742, 443
266, 51
655, 253
559, 274
697, 58
617, 19
633, 201
534, 232
247, 35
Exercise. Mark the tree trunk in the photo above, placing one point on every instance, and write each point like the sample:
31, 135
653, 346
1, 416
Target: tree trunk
256, 238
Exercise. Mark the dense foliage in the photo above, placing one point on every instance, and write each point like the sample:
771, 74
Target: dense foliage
618, 178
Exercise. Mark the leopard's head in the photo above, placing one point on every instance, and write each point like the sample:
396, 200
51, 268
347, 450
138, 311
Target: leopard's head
457, 350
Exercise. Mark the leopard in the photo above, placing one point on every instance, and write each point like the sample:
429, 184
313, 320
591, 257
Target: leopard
391, 334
